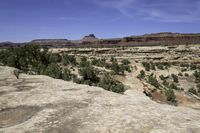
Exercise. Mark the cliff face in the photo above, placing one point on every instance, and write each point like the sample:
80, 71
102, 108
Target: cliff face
154, 39
36, 103
165, 38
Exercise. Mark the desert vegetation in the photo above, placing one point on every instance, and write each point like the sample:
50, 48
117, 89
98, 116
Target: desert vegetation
38, 60
112, 67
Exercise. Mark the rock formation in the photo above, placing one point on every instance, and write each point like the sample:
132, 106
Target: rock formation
165, 38
35, 103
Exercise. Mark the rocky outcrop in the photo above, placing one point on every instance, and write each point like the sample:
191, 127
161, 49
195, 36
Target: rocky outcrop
42, 104
88, 39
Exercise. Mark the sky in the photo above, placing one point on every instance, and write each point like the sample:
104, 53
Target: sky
25, 20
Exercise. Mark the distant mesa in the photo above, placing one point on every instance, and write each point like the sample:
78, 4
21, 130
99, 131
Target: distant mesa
163, 38
52, 43
89, 38
49, 40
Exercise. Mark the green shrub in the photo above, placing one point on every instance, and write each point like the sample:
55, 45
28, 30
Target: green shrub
89, 74
162, 77
198, 87
107, 66
125, 68
141, 75
67, 75
167, 64
185, 65
160, 66
193, 91
175, 78
146, 65
173, 86
125, 62
180, 74
68, 59
95, 61
26, 58
76, 79
112, 59
197, 76
152, 66
153, 81
3, 56
99, 62
55, 58
54, 71
84, 62
171, 96
186, 75
193, 66
108, 83
165, 83
183, 69
118, 69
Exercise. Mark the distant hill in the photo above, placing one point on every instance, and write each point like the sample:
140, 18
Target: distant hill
164, 38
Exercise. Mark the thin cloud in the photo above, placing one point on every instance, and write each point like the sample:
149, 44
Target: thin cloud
162, 10
120, 5
66, 18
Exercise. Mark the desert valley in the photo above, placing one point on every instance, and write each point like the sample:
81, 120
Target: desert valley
142, 84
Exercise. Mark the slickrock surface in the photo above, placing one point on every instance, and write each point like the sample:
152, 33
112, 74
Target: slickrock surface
42, 104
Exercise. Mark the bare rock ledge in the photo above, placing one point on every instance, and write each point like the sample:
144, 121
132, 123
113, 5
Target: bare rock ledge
42, 104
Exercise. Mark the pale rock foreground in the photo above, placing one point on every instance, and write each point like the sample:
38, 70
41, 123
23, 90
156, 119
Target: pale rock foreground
42, 104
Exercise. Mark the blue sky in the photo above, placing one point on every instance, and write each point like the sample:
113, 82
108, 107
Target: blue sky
24, 20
